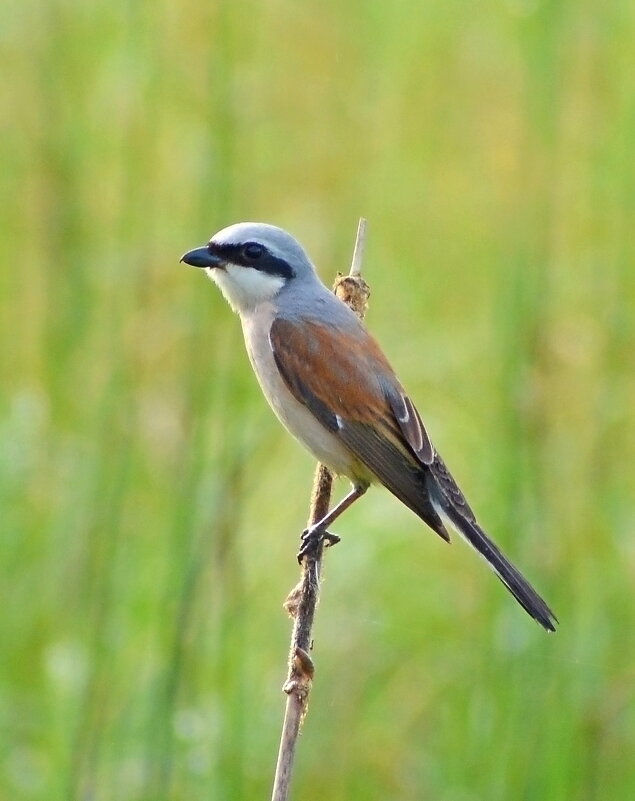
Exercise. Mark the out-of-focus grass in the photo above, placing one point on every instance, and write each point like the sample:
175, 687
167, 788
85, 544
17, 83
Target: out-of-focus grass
150, 503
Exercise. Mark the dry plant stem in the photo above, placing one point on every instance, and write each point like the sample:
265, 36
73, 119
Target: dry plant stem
301, 604
303, 599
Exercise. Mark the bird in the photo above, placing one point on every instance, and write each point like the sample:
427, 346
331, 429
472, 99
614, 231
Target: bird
331, 386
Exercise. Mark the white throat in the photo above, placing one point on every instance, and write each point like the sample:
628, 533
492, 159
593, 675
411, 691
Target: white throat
245, 288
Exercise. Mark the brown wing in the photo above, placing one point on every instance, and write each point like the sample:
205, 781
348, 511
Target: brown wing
349, 386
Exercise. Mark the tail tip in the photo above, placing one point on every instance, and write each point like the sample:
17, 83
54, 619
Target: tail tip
547, 620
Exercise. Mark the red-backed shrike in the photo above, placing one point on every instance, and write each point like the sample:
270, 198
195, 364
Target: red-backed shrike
331, 386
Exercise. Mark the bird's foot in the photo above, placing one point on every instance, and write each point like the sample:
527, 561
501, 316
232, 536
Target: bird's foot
312, 538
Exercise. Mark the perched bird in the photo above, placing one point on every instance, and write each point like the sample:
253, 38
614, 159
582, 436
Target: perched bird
331, 386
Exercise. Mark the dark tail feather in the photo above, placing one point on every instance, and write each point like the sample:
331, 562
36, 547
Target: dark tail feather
519, 587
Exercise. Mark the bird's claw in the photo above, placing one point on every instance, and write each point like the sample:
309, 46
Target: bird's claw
312, 538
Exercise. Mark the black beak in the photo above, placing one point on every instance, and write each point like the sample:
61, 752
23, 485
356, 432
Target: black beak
201, 257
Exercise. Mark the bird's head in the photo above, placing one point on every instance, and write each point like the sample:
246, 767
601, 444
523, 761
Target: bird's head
251, 262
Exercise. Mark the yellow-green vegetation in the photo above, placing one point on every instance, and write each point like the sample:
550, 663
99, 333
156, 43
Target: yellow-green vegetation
151, 504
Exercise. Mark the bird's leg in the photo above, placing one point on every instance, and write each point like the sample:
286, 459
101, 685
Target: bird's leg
317, 533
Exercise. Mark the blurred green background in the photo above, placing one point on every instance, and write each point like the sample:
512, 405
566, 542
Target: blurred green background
151, 503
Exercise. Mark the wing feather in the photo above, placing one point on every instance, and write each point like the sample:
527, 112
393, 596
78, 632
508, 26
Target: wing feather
411, 426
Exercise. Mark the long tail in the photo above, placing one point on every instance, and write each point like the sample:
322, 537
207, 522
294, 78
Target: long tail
448, 506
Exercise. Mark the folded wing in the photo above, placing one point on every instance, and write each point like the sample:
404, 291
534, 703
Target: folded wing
352, 390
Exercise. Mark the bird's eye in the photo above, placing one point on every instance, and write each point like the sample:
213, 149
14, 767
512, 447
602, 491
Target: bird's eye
253, 251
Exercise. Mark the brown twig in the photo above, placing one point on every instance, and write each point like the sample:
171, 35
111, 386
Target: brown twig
303, 599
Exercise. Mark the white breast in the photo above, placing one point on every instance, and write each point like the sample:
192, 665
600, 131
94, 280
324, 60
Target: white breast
292, 414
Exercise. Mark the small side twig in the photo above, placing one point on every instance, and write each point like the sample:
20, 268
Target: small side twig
303, 599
